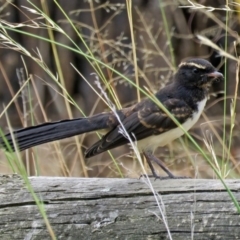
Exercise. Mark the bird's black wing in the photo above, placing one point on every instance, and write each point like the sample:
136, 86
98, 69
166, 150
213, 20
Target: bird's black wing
143, 122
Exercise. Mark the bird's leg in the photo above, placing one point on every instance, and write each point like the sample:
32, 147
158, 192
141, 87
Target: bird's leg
150, 157
154, 174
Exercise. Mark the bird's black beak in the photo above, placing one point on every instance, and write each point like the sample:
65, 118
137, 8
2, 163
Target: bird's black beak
215, 75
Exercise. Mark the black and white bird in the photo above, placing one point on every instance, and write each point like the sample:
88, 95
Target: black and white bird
185, 98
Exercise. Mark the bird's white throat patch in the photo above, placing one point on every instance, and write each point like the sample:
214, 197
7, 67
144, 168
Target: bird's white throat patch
155, 141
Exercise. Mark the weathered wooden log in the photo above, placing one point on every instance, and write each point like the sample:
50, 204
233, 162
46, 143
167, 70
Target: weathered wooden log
93, 208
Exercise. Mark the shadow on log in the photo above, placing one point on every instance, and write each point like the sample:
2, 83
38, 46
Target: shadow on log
93, 208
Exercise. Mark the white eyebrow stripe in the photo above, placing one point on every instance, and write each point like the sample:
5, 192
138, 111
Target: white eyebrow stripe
192, 64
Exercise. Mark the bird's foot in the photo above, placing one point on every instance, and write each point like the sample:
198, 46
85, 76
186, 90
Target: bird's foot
179, 177
155, 176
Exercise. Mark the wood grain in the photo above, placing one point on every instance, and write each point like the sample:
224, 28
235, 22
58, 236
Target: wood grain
93, 208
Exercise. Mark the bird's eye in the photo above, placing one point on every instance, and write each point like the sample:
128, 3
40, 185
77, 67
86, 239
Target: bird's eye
195, 70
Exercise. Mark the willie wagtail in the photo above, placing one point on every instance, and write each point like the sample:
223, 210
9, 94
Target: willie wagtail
184, 98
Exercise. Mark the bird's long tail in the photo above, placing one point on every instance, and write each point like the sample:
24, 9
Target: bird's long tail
51, 131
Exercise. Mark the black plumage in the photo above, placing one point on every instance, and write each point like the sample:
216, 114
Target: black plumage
184, 98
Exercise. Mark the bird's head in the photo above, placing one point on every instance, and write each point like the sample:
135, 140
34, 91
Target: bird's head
197, 72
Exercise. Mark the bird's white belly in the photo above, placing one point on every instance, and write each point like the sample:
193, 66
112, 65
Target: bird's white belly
154, 141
